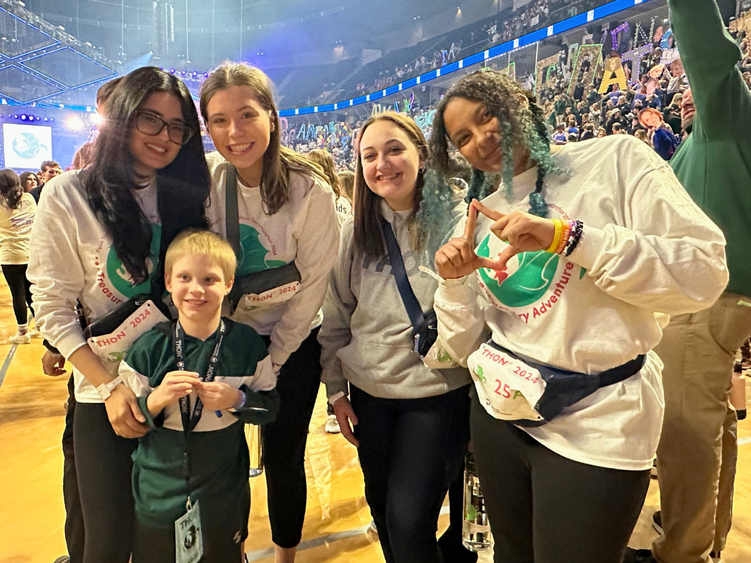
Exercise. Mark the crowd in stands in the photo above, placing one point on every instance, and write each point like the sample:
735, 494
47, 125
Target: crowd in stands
649, 108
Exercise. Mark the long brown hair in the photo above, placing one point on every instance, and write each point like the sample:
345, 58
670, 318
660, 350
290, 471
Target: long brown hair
277, 160
367, 228
325, 161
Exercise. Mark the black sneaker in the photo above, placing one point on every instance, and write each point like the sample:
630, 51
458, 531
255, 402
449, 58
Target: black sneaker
657, 522
638, 556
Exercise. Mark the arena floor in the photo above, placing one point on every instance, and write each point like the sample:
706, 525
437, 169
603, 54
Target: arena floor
32, 513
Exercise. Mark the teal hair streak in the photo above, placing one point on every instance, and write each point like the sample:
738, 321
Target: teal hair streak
436, 215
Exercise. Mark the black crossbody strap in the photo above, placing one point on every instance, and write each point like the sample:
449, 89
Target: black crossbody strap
232, 216
411, 304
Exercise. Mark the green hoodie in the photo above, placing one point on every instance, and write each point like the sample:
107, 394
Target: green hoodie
714, 162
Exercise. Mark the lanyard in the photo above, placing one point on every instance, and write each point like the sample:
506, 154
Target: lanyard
191, 420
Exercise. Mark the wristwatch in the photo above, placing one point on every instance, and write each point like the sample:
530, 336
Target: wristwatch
105, 389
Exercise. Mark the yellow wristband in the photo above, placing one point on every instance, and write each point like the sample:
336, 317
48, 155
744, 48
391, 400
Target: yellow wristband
564, 237
557, 237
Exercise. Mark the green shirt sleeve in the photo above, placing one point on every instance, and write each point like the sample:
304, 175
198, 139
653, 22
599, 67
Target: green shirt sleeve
260, 407
707, 51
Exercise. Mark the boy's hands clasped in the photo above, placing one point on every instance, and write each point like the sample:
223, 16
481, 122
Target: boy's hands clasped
522, 231
215, 395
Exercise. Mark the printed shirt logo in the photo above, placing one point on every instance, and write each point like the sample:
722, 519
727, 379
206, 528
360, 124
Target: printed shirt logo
253, 253
530, 285
115, 279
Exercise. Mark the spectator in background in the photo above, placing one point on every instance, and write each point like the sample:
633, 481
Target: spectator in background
17, 210
85, 154
588, 132
29, 181
560, 137
343, 206
697, 453
347, 182
50, 169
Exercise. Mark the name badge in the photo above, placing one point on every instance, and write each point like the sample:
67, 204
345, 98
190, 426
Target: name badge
507, 387
188, 538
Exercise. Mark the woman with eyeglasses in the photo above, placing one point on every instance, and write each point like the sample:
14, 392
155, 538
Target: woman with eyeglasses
99, 239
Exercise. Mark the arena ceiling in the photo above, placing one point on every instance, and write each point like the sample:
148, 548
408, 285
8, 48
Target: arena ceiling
273, 27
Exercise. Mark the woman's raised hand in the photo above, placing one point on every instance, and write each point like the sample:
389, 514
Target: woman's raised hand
522, 231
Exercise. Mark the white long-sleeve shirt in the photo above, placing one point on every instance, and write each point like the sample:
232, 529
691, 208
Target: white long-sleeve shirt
72, 259
305, 230
15, 230
646, 248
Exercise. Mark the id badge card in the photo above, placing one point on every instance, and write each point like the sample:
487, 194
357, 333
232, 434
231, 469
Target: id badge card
507, 387
188, 538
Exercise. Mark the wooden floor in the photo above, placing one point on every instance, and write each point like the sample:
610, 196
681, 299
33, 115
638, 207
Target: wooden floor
31, 505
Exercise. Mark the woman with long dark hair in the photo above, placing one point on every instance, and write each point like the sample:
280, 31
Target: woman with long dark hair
17, 210
100, 239
410, 421
281, 211
29, 181
565, 267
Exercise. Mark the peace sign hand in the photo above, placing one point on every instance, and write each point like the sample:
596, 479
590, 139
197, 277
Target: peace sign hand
457, 257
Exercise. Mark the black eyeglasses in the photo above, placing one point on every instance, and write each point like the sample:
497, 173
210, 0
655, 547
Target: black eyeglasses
150, 124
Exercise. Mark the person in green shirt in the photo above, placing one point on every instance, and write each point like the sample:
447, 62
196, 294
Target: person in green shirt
697, 454
197, 381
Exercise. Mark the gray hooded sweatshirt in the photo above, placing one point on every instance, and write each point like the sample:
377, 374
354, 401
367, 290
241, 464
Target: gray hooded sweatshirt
366, 333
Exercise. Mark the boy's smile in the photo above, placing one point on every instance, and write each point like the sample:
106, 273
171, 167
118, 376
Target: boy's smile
198, 287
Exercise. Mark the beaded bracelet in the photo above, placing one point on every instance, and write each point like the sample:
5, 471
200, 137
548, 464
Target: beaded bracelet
557, 237
573, 240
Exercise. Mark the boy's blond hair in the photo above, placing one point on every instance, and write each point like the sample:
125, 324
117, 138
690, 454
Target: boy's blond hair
202, 243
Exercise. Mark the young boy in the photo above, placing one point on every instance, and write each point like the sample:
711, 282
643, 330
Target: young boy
190, 472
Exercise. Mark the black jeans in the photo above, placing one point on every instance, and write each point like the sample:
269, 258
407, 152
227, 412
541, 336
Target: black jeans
20, 290
284, 442
545, 508
74, 528
103, 467
410, 452
158, 545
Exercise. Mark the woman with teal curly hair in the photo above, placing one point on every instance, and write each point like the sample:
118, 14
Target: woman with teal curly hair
564, 267
522, 135
411, 422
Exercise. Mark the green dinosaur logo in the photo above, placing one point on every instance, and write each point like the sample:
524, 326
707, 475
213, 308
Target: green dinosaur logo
521, 284
253, 253
480, 373
443, 356
121, 279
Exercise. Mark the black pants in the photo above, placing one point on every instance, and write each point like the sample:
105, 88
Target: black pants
545, 508
410, 451
20, 290
158, 546
103, 467
284, 442
74, 528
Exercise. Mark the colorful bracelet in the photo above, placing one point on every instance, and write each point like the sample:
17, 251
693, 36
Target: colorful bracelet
574, 237
558, 235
